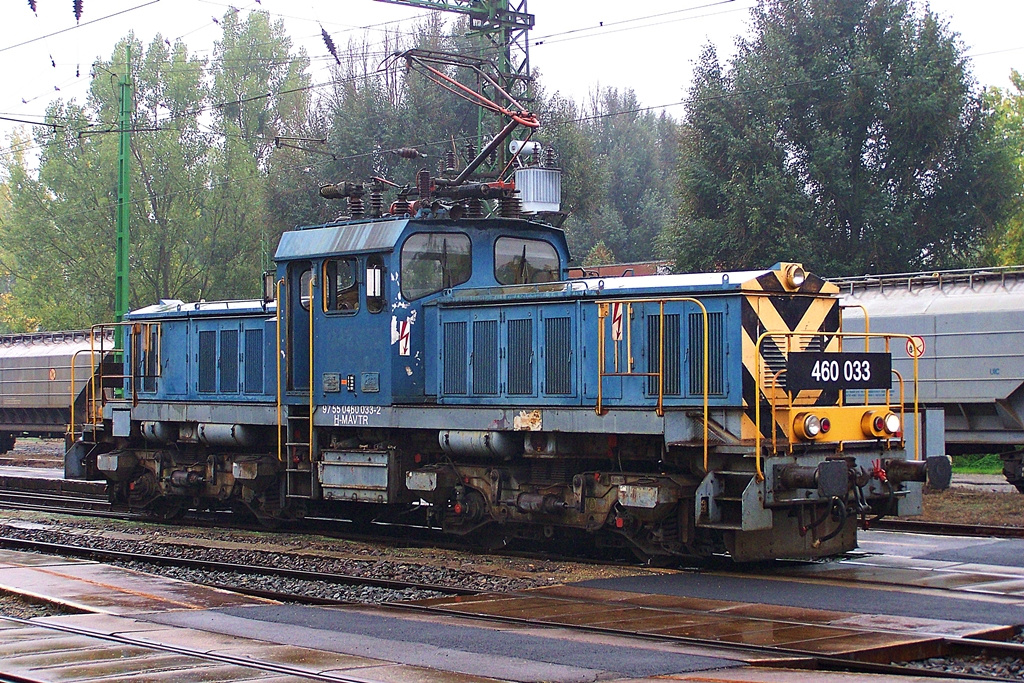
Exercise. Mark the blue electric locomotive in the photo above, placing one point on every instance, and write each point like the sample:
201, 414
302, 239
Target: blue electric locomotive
444, 365
423, 360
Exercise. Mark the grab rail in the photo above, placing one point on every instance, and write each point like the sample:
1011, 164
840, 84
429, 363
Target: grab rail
104, 331
280, 353
759, 383
603, 308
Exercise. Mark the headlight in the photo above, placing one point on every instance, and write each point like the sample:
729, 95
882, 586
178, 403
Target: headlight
880, 424
807, 426
794, 275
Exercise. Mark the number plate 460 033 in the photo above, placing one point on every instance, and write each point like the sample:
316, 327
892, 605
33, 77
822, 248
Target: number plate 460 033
838, 371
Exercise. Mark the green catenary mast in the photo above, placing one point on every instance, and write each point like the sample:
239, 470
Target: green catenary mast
123, 199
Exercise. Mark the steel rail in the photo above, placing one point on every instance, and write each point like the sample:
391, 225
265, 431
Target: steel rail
949, 646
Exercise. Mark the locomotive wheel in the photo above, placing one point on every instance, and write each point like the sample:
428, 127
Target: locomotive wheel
1013, 470
167, 509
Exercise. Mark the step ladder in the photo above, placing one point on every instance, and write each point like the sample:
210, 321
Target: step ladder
731, 500
299, 445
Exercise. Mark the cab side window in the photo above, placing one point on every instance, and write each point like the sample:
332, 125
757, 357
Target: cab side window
375, 302
342, 290
434, 261
520, 261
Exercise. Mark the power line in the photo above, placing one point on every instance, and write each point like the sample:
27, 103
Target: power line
608, 24
72, 28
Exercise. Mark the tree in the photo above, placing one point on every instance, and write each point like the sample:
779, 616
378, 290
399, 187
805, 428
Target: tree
600, 255
618, 162
202, 221
846, 134
1008, 105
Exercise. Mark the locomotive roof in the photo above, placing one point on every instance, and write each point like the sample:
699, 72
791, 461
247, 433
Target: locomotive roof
172, 308
335, 238
353, 237
766, 280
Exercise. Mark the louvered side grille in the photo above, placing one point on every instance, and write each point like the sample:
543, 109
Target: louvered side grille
775, 358
520, 357
229, 361
672, 356
254, 361
454, 380
485, 357
208, 362
557, 356
716, 353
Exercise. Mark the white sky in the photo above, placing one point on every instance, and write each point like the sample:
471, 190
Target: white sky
648, 46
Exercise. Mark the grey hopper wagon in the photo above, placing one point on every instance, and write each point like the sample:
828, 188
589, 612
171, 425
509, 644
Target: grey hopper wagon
36, 388
972, 369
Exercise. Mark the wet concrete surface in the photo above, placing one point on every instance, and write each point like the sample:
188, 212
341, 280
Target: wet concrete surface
794, 592
379, 644
989, 551
995, 483
95, 587
461, 647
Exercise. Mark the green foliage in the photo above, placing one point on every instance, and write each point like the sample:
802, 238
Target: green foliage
1008, 105
600, 255
200, 209
977, 464
845, 134
221, 165
619, 179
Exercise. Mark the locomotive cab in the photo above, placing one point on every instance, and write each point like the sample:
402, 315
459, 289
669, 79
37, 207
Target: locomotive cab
375, 282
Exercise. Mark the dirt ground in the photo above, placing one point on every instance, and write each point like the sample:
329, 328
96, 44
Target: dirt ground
971, 506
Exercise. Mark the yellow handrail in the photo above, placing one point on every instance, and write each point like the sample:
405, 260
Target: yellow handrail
74, 356
602, 314
280, 304
98, 382
887, 336
312, 283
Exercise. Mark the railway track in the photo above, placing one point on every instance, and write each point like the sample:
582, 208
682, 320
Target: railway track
101, 555
863, 662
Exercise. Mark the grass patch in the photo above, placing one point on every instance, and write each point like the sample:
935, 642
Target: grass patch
977, 464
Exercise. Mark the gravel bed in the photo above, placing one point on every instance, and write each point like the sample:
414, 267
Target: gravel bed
1006, 667
377, 567
16, 606
316, 589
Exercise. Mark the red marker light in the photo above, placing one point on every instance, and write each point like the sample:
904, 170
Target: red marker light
826, 425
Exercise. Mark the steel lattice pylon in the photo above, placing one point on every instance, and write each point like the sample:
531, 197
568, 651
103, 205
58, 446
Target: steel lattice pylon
503, 26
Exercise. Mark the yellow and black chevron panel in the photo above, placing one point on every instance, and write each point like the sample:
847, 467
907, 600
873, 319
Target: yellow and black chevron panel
774, 304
